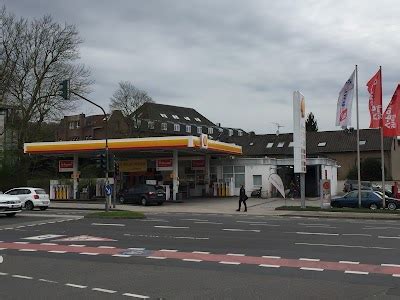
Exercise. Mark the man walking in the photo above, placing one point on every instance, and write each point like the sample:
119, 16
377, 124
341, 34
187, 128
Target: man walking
242, 198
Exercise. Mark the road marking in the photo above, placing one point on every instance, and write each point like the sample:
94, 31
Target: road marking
106, 247
48, 244
344, 246
43, 237
27, 250
3, 248
200, 252
311, 269
388, 237
76, 286
46, 280
349, 262
191, 238
171, 227
273, 257
396, 275
108, 224
156, 257
57, 251
75, 245
241, 230
21, 243
122, 255
135, 296
269, 266
154, 220
104, 290
390, 265
88, 253
368, 227
22, 277
356, 234
356, 272
312, 224
251, 222
309, 259
317, 233
3, 274
192, 260
270, 225
229, 262
168, 250
198, 220
234, 254
207, 222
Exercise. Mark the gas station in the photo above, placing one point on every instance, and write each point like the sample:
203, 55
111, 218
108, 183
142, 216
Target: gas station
181, 163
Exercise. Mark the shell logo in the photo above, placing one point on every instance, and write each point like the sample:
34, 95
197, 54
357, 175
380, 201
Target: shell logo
303, 107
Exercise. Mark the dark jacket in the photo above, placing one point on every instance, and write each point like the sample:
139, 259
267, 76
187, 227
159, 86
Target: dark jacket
242, 194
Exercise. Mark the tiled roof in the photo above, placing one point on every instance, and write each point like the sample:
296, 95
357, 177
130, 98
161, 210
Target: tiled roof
328, 141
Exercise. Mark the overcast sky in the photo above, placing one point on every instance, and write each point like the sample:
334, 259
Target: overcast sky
236, 62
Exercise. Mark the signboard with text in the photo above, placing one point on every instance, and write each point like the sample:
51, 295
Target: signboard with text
133, 165
299, 132
66, 165
164, 164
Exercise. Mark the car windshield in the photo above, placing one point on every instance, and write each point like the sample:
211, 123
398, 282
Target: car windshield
40, 192
151, 188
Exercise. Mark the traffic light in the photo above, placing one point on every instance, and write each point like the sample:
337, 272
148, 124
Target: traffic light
101, 161
63, 89
116, 169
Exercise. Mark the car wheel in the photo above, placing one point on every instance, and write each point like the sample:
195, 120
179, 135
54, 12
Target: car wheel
373, 206
43, 207
121, 200
143, 201
29, 205
391, 206
11, 214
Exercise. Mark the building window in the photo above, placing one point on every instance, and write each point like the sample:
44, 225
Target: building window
210, 130
230, 132
150, 125
177, 127
240, 133
281, 144
175, 117
164, 126
322, 144
362, 143
187, 118
291, 144
188, 129
251, 144
270, 145
199, 130
164, 116
257, 180
197, 119
74, 125
236, 172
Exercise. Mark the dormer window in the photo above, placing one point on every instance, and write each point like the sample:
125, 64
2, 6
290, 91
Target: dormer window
280, 145
321, 144
175, 117
197, 119
270, 145
291, 144
362, 143
164, 116
251, 144
187, 118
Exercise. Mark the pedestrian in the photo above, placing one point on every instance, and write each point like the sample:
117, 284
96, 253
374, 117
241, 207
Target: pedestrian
242, 198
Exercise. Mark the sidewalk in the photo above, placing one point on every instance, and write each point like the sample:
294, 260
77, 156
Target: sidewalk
256, 206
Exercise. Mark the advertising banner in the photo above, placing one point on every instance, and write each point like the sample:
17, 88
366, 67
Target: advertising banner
164, 164
299, 132
66, 165
133, 165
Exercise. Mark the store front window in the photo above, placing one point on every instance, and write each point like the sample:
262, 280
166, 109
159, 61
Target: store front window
236, 172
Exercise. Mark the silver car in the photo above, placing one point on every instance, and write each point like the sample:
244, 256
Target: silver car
10, 205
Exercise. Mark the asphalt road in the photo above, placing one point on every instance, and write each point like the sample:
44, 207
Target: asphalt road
198, 256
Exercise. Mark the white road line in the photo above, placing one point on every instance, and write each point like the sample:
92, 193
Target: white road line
191, 238
368, 227
390, 265
46, 280
388, 237
136, 248
311, 269
21, 276
309, 259
106, 247
168, 250
192, 259
135, 296
200, 252
57, 251
155, 220
396, 275
344, 246
3, 274
108, 224
171, 227
156, 257
3, 248
76, 286
74, 245
349, 262
312, 224
241, 230
234, 254
356, 272
229, 262
356, 234
24, 243
207, 222
199, 220
269, 266
317, 233
273, 257
252, 222
89, 253
49, 244
27, 250
121, 255
104, 290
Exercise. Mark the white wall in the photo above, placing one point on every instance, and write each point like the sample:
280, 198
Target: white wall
264, 171
331, 172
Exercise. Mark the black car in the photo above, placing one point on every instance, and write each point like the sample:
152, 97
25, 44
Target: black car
143, 194
391, 203
369, 199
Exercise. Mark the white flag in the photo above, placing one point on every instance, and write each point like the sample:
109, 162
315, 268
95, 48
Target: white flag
345, 101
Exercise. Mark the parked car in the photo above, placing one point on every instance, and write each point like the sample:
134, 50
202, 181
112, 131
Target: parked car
391, 203
31, 197
369, 199
352, 185
143, 194
10, 205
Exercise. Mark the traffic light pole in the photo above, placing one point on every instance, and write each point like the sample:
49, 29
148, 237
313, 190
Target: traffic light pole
107, 202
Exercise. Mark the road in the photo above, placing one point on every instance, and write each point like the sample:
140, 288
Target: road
197, 256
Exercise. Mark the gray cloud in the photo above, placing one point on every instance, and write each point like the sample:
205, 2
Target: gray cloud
237, 62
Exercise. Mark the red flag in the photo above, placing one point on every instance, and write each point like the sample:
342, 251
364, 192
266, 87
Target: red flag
391, 119
375, 100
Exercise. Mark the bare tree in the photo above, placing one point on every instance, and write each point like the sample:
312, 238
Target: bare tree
42, 54
127, 98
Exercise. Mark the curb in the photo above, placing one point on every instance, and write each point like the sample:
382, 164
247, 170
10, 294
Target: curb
360, 216
83, 208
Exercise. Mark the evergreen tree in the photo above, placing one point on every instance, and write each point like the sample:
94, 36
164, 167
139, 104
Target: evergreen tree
311, 123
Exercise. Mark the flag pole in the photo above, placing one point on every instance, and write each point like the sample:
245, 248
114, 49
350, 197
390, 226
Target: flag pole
358, 144
382, 150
